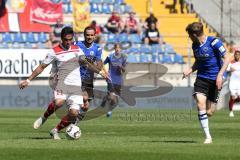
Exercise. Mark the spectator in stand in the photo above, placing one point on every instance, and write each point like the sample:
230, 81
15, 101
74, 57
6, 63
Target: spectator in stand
98, 31
56, 29
114, 24
149, 20
152, 35
131, 24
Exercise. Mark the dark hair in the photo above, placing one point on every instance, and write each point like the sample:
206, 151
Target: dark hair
66, 30
195, 28
89, 28
117, 44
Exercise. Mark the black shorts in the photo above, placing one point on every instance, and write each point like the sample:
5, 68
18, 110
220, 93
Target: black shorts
208, 88
115, 88
88, 88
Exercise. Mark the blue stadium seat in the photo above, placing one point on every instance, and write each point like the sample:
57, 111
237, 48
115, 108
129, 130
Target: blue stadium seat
117, 8
155, 57
166, 58
28, 45
106, 8
6, 37
95, 1
30, 38
119, 1
122, 38
66, 1
132, 58
65, 8
94, 8
108, 1
112, 38
178, 59
41, 45
145, 49
16, 45
144, 58
134, 50
42, 37
69, 8
169, 49
157, 49
18, 37
135, 38
127, 9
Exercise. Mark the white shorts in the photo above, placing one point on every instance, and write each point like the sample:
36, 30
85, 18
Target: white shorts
234, 88
72, 101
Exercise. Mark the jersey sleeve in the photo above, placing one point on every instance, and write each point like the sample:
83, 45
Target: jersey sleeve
218, 46
49, 58
99, 54
80, 52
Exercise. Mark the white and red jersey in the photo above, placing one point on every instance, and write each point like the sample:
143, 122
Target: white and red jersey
60, 60
234, 80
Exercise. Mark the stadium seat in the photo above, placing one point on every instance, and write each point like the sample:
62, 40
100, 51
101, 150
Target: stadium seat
69, 8
41, 45
144, 58
94, 8
6, 37
169, 49
134, 50
95, 1
106, 8
112, 38
66, 1
65, 8
178, 59
135, 38
145, 49
30, 38
18, 37
108, 1
127, 8
42, 37
119, 1
16, 45
28, 45
132, 58
122, 38
166, 58
157, 49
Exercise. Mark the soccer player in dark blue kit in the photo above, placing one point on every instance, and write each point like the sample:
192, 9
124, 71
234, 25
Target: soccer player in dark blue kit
117, 62
210, 63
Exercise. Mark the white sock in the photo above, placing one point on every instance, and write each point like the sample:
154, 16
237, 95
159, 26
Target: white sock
203, 118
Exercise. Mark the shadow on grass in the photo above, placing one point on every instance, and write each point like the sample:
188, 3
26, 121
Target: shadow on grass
168, 141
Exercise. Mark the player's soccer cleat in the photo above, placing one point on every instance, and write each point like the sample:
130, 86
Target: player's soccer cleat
109, 114
54, 134
208, 141
231, 114
39, 122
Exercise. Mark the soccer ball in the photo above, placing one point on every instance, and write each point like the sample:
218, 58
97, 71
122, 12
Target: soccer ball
73, 132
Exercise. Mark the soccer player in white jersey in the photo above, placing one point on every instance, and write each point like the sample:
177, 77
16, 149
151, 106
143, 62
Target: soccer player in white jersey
234, 81
58, 57
210, 63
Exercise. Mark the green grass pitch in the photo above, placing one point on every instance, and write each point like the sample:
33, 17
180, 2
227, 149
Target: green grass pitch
149, 134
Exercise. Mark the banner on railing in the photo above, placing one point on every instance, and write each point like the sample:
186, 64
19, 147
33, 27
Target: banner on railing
81, 15
21, 62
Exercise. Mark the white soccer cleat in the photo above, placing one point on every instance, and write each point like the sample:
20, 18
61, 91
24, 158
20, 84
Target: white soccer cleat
208, 141
231, 114
54, 134
39, 122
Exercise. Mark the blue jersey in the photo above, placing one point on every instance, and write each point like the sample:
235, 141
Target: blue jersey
94, 54
114, 64
208, 57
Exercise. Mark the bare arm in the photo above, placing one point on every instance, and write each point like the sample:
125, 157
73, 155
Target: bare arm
190, 70
226, 60
34, 74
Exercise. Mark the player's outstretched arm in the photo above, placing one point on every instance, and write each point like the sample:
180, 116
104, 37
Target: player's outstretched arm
23, 84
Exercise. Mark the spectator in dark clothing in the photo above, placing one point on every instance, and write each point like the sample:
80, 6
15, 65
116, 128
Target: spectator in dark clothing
57, 28
149, 20
152, 35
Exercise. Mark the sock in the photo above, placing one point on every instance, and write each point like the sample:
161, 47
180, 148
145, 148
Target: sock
80, 116
64, 123
231, 103
50, 110
203, 118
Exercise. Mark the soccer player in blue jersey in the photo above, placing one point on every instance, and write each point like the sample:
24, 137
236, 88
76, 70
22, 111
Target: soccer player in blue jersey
210, 63
117, 62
